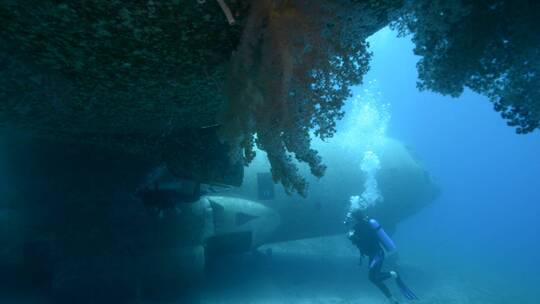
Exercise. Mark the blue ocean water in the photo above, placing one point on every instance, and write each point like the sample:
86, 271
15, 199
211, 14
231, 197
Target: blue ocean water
486, 223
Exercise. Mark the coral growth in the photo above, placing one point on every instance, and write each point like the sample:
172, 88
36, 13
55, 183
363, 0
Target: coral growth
140, 73
148, 74
113, 67
290, 76
492, 47
138, 76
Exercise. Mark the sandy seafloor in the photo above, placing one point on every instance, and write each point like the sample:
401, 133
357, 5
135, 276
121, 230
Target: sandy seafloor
314, 271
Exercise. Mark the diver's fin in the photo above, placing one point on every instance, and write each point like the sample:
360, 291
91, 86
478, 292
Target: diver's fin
407, 293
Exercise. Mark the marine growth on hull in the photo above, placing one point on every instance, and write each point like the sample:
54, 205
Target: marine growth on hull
147, 77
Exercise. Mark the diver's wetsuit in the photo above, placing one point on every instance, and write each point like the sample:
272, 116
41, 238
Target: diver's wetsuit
365, 238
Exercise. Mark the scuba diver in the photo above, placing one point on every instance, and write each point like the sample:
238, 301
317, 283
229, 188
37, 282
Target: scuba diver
166, 196
368, 235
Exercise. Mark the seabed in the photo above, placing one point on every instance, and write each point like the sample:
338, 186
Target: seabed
315, 272
309, 272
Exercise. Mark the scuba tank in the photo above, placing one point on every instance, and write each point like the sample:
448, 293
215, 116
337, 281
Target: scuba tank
385, 240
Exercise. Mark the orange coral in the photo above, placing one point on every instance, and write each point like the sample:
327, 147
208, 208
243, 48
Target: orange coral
289, 77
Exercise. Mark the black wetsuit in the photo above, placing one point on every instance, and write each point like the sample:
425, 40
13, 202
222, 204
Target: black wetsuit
365, 238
